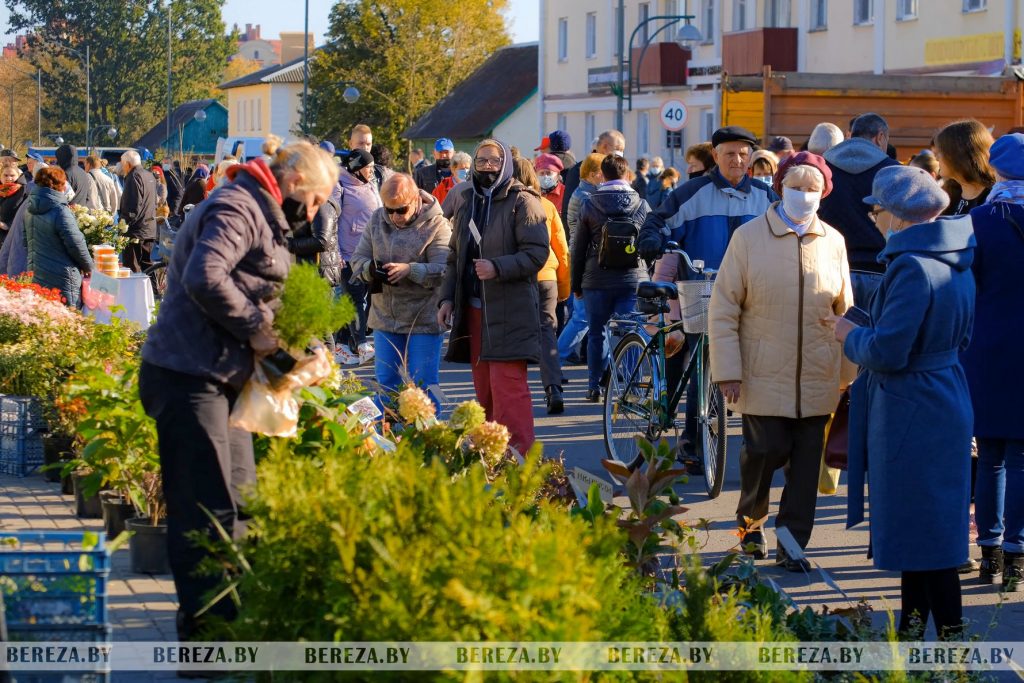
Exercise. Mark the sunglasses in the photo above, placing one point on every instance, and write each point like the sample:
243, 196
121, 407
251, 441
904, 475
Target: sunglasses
401, 211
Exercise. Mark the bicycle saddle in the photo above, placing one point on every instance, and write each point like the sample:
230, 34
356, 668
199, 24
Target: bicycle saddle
656, 290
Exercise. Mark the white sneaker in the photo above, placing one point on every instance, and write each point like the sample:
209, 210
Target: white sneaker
366, 352
342, 356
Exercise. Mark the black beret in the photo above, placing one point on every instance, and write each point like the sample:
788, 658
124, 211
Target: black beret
733, 134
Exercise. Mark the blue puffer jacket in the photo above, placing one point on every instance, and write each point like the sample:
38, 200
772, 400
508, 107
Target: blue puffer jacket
703, 213
57, 253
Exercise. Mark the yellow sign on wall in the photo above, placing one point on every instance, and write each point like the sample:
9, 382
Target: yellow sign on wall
980, 47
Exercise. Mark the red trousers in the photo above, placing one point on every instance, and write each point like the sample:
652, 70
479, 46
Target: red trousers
501, 388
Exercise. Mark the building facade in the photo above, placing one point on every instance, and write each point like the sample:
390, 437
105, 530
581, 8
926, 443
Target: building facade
267, 101
580, 45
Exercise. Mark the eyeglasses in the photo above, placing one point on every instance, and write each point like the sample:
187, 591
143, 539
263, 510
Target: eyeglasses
874, 213
401, 211
484, 162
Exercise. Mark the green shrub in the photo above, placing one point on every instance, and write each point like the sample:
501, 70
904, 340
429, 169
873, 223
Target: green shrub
309, 309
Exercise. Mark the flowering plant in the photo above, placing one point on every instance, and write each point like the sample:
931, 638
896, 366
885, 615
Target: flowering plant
99, 228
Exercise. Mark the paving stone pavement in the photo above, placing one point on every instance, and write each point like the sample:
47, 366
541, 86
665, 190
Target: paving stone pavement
142, 608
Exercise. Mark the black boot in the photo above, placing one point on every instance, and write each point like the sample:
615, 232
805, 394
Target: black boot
556, 406
1013, 572
991, 570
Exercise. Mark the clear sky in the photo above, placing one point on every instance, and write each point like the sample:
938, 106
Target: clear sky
275, 16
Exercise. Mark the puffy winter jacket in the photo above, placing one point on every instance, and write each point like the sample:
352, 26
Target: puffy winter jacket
556, 269
615, 199
409, 307
772, 292
138, 204
57, 253
224, 280
358, 202
317, 242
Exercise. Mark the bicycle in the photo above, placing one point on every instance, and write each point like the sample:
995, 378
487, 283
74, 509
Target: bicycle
167, 232
638, 404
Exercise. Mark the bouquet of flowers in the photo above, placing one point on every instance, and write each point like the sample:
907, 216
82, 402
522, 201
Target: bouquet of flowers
99, 228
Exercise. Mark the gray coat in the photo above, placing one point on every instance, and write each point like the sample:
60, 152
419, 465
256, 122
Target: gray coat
57, 253
409, 307
514, 236
86, 192
230, 258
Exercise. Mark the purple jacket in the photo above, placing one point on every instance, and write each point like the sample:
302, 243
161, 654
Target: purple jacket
358, 202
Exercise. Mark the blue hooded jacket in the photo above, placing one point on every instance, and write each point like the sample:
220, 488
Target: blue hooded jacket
910, 411
57, 252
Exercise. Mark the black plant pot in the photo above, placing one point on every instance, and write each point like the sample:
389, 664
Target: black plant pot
116, 509
55, 449
86, 508
148, 546
66, 487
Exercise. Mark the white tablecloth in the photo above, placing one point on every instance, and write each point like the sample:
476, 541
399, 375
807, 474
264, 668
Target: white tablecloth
135, 296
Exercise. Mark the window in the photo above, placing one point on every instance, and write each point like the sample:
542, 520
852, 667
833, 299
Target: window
591, 35
739, 14
590, 130
643, 13
643, 126
563, 39
707, 124
863, 12
819, 14
708, 21
906, 9
255, 54
674, 139
671, 9
776, 13
560, 123
975, 5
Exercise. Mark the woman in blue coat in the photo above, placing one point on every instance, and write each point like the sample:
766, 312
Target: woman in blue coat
910, 411
57, 254
995, 369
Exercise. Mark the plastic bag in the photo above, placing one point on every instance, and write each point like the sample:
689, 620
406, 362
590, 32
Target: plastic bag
828, 477
263, 410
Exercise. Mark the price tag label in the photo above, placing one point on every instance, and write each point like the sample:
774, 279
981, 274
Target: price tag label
474, 231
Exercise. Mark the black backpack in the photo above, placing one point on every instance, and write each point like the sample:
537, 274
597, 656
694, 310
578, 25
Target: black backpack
617, 249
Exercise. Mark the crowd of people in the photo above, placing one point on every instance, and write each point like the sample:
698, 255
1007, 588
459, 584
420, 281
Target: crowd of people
839, 270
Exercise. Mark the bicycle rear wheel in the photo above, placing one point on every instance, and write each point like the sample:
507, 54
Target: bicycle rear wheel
158, 272
631, 401
712, 439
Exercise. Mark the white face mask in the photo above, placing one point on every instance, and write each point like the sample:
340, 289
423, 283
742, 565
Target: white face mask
166, 167
548, 182
656, 170
800, 206
766, 179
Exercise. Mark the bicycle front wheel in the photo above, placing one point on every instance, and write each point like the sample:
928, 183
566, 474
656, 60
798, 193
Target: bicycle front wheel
631, 401
712, 439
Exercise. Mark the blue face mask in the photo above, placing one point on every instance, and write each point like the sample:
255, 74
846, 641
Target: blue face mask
463, 174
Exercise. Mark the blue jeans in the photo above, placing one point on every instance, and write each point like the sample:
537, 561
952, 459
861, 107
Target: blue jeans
403, 358
574, 330
999, 494
601, 305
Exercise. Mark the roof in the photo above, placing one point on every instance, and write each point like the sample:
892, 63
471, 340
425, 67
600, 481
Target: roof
486, 97
156, 137
275, 73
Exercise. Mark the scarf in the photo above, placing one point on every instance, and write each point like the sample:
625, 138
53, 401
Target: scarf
1009, 191
10, 189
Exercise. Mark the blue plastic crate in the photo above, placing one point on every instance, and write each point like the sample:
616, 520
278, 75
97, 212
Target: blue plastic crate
21, 431
50, 581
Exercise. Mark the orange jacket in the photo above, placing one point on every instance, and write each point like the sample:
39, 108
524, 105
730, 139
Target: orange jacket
557, 266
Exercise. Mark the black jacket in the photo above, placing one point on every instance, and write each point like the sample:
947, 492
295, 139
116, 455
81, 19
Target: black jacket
194, 192
138, 203
571, 180
609, 201
427, 178
174, 192
9, 206
320, 239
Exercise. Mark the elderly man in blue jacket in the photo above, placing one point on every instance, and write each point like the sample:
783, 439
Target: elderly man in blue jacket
701, 215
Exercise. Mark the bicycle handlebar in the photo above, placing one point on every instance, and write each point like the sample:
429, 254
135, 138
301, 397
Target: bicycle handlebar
696, 265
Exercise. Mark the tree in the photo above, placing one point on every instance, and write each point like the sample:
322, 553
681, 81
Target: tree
403, 55
127, 41
17, 78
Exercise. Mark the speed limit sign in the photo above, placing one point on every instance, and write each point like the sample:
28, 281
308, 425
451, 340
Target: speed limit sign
673, 115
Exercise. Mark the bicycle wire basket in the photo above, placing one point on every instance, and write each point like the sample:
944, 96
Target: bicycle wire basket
694, 297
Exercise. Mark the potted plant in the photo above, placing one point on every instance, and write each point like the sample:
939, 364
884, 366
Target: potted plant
148, 543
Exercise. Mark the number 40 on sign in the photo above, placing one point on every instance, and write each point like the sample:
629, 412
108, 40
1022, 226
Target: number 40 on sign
673, 115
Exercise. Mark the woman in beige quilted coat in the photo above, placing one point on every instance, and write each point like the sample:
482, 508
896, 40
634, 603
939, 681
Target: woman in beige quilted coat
776, 362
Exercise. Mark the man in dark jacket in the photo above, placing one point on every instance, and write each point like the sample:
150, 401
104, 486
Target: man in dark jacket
138, 210
86, 192
854, 164
489, 297
175, 187
609, 142
319, 240
429, 177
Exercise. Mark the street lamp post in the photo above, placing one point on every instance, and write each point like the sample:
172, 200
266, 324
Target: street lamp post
687, 35
104, 127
